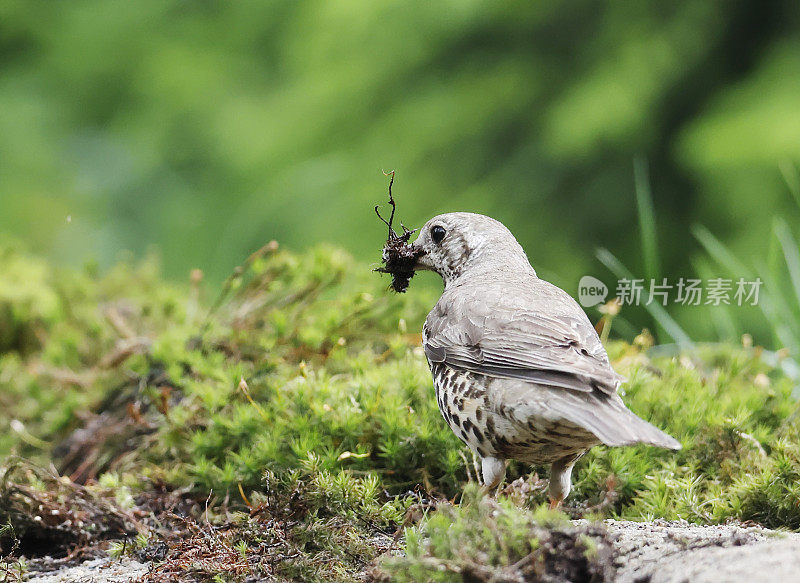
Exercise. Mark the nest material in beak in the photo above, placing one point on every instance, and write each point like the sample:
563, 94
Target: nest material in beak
399, 257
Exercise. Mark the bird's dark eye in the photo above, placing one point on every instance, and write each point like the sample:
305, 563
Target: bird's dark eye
437, 234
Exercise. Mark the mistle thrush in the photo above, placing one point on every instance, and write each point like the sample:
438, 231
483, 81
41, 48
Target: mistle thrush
519, 371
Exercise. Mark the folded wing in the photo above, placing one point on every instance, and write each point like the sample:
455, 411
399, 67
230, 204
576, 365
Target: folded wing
537, 333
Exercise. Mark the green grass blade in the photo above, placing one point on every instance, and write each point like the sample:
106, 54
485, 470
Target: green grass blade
792, 179
771, 303
791, 255
720, 252
647, 219
721, 316
660, 315
778, 312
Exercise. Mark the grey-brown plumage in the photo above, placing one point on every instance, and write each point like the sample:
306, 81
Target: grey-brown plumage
518, 369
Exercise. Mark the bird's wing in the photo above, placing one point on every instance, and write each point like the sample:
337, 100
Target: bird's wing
533, 332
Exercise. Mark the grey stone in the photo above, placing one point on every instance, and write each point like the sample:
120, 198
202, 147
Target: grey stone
124, 570
678, 552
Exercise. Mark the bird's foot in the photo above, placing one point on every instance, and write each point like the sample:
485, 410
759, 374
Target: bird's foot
555, 503
491, 491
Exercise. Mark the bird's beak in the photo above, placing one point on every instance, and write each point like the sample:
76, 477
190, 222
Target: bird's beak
423, 262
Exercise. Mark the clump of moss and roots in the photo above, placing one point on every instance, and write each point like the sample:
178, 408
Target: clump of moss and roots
283, 426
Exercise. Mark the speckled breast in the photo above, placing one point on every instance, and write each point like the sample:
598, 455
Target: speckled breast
471, 406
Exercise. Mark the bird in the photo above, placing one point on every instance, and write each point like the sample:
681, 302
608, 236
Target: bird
518, 369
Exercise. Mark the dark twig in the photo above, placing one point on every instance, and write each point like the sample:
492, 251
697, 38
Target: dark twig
391, 202
392, 234
399, 255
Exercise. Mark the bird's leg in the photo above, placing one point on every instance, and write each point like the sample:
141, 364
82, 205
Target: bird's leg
476, 465
493, 470
560, 480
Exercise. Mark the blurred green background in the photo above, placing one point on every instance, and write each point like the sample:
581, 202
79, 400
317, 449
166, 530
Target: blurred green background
205, 129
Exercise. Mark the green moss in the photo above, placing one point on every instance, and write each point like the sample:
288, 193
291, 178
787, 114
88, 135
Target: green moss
486, 540
305, 369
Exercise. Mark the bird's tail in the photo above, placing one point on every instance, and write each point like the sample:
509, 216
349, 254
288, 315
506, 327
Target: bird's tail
614, 424
637, 430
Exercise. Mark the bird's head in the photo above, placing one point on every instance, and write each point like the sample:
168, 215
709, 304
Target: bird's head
455, 244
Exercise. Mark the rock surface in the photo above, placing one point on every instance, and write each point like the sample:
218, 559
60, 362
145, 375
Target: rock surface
95, 571
644, 552
677, 552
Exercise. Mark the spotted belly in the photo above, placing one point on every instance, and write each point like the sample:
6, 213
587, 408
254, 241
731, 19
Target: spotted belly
472, 407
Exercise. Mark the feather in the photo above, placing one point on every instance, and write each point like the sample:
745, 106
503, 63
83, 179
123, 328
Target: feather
525, 329
604, 416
